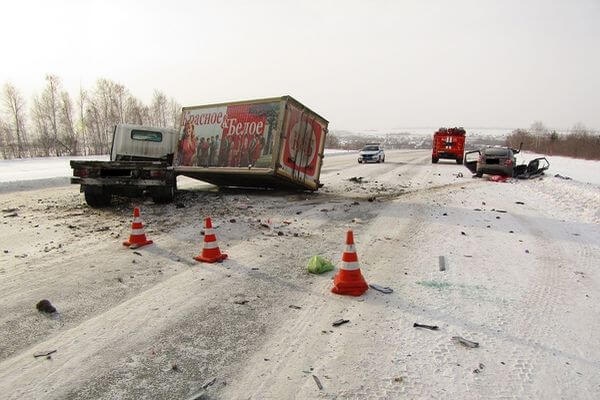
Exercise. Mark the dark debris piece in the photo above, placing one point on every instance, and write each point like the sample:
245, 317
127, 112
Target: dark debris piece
44, 353
318, 382
340, 322
465, 342
431, 327
45, 306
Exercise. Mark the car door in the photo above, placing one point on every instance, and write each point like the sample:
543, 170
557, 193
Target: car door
470, 160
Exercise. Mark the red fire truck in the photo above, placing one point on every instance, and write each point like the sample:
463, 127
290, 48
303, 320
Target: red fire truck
448, 143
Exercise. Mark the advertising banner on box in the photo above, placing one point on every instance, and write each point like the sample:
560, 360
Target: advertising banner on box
239, 135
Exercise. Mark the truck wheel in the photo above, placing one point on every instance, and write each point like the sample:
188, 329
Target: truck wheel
97, 199
434, 160
478, 174
459, 161
163, 195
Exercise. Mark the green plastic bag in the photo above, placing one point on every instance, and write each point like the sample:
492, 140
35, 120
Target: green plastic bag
318, 265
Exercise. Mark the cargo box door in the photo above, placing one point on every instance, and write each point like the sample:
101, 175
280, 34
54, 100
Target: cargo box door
301, 146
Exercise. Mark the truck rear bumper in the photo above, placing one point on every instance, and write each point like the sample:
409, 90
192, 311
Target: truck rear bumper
449, 156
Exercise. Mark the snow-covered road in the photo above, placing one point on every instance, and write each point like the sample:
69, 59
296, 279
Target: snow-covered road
522, 280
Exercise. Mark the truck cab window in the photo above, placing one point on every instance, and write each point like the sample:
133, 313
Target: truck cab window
148, 136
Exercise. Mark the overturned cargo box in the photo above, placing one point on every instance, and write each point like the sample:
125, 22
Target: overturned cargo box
271, 143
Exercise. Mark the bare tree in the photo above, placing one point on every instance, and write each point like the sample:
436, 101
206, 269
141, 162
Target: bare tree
68, 137
15, 109
174, 118
136, 112
4, 135
105, 108
44, 142
81, 101
159, 109
50, 106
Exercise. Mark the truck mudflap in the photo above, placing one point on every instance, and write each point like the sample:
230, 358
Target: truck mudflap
533, 169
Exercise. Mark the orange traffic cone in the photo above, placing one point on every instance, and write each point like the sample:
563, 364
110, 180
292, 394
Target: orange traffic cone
210, 251
138, 236
349, 279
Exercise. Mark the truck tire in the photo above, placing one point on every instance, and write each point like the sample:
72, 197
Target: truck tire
459, 160
97, 198
434, 160
163, 195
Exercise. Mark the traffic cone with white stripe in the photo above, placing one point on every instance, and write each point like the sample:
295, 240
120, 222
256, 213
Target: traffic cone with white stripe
138, 236
210, 252
349, 279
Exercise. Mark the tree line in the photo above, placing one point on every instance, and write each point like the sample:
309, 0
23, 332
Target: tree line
55, 124
579, 142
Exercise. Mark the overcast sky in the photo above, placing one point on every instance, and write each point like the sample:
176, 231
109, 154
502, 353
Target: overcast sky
360, 64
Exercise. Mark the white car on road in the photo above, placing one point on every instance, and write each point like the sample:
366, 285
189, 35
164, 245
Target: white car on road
371, 153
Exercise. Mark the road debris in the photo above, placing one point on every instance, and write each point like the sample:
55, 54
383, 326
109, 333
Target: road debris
240, 302
43, 353
356, 179
295, 307
45, 306
430, 327
340, 322
209, 383
442, 262
318, 265
318, 382
465, 342
382, 289
562, 177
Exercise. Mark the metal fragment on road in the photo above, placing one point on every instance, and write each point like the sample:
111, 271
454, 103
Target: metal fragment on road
382, 289
44, 353
340, 322
465, 342
318, 382
442, 262
431, 327
209, 383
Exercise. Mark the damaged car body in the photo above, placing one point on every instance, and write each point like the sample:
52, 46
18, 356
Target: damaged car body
502, 161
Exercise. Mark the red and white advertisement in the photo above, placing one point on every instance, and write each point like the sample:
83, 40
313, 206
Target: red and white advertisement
302, 143
228, 136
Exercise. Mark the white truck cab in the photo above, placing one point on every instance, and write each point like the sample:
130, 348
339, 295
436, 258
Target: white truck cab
142, 143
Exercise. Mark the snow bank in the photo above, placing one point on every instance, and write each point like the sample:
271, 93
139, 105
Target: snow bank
585, 171
29, 169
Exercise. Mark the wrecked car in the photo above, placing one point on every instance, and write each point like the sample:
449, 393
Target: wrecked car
502, 161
